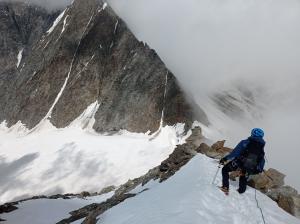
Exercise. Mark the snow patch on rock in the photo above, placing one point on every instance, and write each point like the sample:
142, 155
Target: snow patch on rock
56, 22
20, 55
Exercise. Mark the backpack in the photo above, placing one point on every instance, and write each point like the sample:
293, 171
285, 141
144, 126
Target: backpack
252, 156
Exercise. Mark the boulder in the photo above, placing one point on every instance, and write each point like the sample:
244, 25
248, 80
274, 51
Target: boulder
277, 178
259, 182
265, 181
203, 148
216, 151
195, 138
85, 194
107, 190
6, 208
284, 190
287, 198
218, 145
213, 154
296, 202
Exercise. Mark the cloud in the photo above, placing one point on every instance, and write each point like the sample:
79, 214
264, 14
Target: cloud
212, 44
48, 4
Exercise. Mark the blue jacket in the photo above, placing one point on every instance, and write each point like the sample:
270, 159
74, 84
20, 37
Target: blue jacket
241, 147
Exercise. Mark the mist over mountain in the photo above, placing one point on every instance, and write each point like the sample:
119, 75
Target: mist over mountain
227, 49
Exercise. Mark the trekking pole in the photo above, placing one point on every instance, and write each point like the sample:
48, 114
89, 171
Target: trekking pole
219, 166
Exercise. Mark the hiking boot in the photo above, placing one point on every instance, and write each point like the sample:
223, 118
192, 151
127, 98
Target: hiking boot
240, 191
224, 189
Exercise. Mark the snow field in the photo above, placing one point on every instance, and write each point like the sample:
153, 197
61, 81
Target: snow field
49, 211
74, 159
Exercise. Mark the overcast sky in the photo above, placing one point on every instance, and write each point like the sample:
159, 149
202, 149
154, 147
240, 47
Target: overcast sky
210, 43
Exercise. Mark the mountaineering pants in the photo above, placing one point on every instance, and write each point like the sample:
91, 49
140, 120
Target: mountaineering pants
233, 166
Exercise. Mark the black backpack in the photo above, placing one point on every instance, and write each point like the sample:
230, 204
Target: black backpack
252, 156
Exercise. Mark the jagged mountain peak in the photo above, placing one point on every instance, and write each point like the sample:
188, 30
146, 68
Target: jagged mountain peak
88, 55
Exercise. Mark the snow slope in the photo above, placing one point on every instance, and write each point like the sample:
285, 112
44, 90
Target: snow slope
190, 197
49, 211
74, 159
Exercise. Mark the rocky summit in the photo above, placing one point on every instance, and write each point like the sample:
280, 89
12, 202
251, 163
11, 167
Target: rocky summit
54, 65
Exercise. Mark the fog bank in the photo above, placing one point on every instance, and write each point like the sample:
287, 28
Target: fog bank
212, 44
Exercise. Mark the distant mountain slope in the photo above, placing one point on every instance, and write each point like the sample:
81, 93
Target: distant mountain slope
90, 55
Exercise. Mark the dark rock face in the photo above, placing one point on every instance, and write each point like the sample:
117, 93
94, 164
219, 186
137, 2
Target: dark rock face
21, 26
92, 56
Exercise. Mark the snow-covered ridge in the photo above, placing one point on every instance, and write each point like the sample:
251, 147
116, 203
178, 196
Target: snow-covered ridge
190, 197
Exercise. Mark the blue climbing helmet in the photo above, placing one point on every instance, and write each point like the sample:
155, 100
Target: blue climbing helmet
257, 132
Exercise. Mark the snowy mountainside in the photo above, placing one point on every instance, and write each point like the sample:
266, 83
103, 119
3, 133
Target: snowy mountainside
76, 158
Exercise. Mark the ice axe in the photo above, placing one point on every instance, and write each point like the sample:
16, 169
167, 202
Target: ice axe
213, 182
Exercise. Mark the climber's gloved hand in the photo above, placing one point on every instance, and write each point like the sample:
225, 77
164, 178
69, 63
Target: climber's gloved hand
223, 161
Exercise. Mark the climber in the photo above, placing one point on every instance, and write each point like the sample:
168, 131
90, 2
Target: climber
247, 158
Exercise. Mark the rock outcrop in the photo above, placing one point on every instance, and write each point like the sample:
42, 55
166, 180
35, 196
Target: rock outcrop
216, 151
267, 180
90, 55
287, 198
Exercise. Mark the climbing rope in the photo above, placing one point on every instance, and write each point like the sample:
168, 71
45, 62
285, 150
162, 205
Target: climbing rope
261, 211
